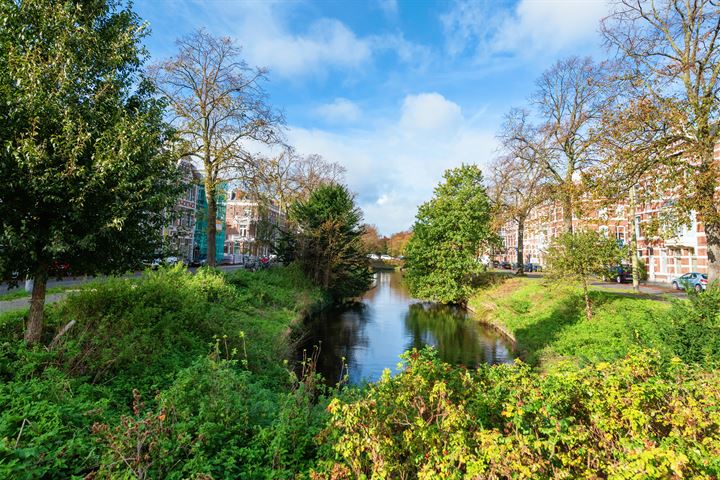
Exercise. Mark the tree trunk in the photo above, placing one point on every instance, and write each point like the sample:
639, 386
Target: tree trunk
633, 242
33, 333
521, 246
567, 205
712, 233
212, 219
588, 305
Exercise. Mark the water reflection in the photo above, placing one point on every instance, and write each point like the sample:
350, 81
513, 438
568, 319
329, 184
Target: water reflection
456, 335
372, 333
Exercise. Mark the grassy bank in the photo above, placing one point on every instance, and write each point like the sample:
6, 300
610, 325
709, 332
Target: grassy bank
549, 324
180, 376
171, 375
632, 393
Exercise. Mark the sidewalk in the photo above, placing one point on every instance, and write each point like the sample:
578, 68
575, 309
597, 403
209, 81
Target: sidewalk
21, 303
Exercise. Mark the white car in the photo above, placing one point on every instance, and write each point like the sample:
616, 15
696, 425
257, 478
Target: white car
385, 257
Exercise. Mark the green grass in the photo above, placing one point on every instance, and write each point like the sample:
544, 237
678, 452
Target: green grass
16, 293
548, 321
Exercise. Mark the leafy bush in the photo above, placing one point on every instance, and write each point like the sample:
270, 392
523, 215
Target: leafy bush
694, 330
577, 256
129, 390
640, 417
44, 426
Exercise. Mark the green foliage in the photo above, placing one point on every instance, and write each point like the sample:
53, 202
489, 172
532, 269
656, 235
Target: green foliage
548, 323
638, 418
85, 155
329, 245
579, 255
449, 231
694, 332
134, 372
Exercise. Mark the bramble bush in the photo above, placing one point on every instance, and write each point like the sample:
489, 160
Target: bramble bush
641, 417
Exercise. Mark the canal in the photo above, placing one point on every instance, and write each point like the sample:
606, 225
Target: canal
371, 334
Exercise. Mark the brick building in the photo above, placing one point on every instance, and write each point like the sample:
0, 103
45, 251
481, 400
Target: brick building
251, 226
666, 255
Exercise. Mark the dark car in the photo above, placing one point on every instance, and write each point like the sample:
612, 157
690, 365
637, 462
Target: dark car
59, 269
532, 267
621, 274
506, 265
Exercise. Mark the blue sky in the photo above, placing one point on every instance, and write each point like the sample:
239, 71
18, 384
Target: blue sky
396, 91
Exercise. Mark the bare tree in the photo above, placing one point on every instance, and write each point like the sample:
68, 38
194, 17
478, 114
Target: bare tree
569, 99
288, 176
219, 105
517, 186
628, 140
671, 57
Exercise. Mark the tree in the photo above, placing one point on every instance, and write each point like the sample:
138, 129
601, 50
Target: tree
397, 243
279, 181
329, 242
580, 255
449, 232
569, 99
372, 241
218, 104
670, 54
85, 163
287, 177
517, 187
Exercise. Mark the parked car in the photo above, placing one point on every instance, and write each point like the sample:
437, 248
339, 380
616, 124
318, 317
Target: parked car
532, 267
695, 280
59, 269
506, 265
155, 264
385, 257
621, 274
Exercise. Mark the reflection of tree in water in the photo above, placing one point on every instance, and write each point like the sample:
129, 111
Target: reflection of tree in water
343, 331
390, 284
458, 339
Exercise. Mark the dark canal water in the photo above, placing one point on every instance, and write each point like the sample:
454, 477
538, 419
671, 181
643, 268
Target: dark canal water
372, 333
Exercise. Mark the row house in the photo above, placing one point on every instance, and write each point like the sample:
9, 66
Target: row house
252, 226
186, 234
179, 233
666, 255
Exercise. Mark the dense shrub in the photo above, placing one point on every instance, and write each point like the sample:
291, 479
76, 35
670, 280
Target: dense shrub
640, 417
694, 327
170, 375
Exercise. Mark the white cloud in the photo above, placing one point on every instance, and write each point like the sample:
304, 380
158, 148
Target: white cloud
530, 28
327, 43
272, 36
430, 111
395, 164
340, 110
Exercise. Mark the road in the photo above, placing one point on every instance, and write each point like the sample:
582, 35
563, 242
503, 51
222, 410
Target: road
19, 303
659, 291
